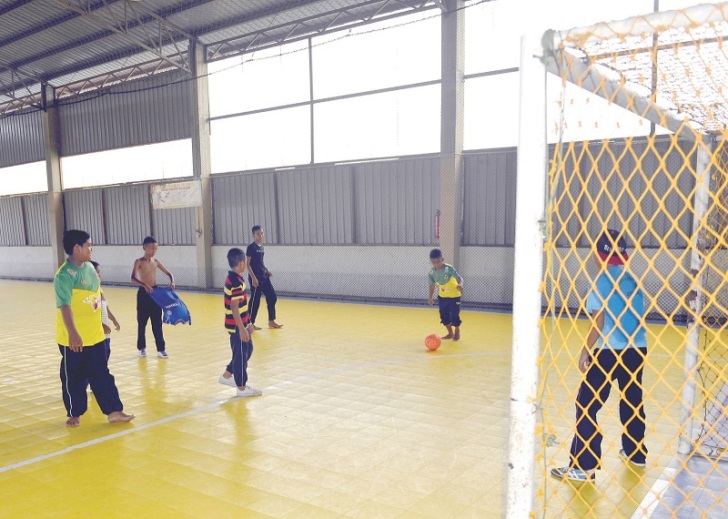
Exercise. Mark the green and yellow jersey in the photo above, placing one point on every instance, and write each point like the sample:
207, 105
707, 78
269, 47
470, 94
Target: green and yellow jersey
79, 288
446, 279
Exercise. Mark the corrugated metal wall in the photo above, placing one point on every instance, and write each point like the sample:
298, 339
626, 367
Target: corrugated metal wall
392, 202
396, 201
241, 201
12, 231
85, 211
489, 198
128, 214
377, 203
174, 226
123, 216
21, 139
315, 206
37, 218
661, 177
158, 110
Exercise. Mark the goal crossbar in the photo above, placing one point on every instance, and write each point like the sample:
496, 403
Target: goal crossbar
588, 77
600, 59
702, 14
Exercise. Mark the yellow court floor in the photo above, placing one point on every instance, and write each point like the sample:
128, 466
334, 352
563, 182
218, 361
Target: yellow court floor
357, 418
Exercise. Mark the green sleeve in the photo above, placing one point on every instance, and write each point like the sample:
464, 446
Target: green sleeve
64, 289
431, 277
455, 273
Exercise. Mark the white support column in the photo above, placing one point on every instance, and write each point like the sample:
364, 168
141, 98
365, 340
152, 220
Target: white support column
51, 140
530, 194
451, 129
702, 199
201, 162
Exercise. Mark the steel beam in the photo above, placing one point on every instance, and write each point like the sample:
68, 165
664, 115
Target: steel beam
18, 88
112, 78
128, 20
13, 6
89, 84
306, 27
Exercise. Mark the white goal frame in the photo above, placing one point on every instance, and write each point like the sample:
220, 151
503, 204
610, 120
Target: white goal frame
539, 56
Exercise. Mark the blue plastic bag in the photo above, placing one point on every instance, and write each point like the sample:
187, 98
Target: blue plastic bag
174, 310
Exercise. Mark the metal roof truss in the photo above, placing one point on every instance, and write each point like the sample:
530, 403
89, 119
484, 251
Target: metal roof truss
138, 25
345, 17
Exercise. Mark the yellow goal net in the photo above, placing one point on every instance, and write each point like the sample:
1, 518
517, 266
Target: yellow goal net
631, 401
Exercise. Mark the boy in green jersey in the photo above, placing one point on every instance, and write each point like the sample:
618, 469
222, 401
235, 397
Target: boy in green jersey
450, 288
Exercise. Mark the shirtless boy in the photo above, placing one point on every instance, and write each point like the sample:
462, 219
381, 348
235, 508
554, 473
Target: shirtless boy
144, 275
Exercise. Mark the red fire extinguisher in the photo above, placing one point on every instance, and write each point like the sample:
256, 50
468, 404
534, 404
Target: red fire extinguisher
437, 224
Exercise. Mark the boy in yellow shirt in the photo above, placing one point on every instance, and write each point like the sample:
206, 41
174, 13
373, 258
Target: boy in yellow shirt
444, 276
80, 334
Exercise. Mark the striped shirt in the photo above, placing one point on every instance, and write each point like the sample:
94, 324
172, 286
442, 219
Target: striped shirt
235, 291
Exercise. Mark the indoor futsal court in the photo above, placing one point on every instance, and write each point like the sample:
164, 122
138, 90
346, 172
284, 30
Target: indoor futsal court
357, 417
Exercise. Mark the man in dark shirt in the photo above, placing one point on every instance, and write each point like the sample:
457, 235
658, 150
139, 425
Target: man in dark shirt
259, 277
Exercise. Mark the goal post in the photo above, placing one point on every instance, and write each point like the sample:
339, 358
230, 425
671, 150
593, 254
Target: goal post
662, 182
528, 265
695, 300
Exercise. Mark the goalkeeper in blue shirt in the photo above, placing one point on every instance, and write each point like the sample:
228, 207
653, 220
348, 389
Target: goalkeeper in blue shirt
616, 348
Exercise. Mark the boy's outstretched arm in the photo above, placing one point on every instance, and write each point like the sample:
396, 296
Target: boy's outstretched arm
432, 294
169, 274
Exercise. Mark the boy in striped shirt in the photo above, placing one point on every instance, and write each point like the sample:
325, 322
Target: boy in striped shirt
238, 325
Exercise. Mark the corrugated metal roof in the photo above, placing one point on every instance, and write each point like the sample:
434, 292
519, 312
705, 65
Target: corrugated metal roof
267, 20
30, 15
56, 43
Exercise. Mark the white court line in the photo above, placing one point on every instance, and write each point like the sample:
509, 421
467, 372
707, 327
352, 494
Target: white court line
119, 434
654, 496
219, 403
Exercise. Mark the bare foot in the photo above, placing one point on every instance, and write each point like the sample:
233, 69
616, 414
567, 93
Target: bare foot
446, 337
274, 325
257, 328
456, 337
120, 417
73, 421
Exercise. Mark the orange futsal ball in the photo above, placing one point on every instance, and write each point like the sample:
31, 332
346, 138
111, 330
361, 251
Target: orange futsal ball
432, 342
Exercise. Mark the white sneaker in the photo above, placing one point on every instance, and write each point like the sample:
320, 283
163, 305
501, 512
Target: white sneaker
249, 391
142, 354
623, 455
573, 474
162, 355
227, 381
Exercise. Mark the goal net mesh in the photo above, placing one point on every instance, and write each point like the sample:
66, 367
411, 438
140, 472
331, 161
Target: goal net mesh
652, 91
